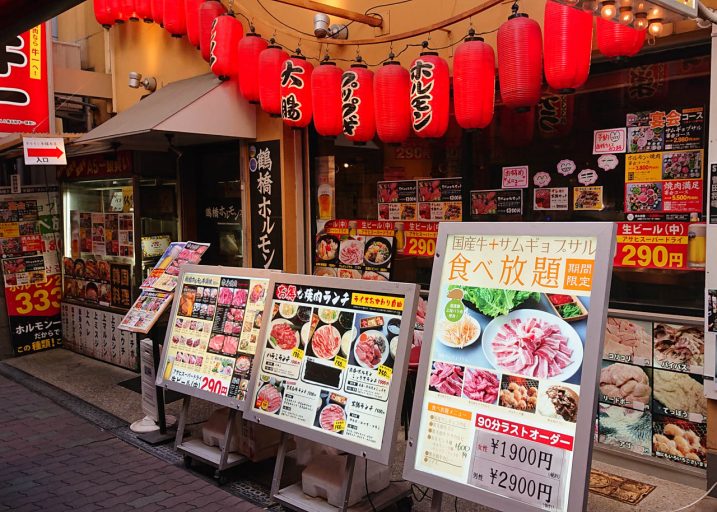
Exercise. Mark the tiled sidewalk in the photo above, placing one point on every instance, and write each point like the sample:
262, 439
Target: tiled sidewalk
52, 460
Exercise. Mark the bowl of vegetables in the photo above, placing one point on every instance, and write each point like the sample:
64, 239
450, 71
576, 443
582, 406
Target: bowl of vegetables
567, 307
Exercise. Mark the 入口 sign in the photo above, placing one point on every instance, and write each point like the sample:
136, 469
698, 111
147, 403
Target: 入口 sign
44, 150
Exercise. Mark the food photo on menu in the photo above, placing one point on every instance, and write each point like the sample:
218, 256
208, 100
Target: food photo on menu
625, 428
329, 367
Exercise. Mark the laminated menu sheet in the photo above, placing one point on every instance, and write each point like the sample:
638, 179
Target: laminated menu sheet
503, 410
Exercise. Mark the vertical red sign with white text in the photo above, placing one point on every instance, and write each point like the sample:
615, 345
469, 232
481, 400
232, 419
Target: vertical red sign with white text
24, 105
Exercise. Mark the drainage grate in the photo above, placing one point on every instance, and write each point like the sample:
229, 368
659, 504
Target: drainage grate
242, 488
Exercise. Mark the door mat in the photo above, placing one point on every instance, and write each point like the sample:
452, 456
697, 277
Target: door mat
618, 488
135, 384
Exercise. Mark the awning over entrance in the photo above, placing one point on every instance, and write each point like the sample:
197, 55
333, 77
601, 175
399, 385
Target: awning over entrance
198, 110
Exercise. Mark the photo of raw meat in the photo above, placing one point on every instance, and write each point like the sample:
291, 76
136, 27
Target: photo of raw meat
283, 335
371, 349
625, 428
518, 393
480, 385
351, 252
628, 341
330, 415
677, 345
626, 385
230, 345
240, 296
243, 364
532, 343
216, 342
675, 393
257, 293
446, 378
326, 342
269, 398
225, 296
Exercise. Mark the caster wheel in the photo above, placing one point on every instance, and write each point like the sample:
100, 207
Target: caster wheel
187, 461
405, 504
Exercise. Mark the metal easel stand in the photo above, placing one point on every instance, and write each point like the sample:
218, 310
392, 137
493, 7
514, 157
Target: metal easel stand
162, 435
195, 449
293, 496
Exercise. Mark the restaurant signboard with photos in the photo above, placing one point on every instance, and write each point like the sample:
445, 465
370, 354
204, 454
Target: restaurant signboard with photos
332, 355
504, 407
212, 333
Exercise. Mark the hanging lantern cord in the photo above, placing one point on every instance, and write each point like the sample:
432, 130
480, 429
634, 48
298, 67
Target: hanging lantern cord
515, 7
471, 32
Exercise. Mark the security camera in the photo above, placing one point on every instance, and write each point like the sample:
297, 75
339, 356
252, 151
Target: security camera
135, 79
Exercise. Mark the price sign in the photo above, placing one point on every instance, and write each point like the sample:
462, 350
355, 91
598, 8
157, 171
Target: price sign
420, 247
40, 299
339, 425
385, 372
340, 362
297, 353
652, 245
519, 469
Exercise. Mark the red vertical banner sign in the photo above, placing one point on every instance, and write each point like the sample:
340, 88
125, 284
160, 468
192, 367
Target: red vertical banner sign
24, 101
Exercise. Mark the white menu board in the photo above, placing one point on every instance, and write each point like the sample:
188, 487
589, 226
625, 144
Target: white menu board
331, 359
212, 333
503, 414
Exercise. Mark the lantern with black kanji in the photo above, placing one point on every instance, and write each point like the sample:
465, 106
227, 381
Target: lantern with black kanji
103, 13
295, 82
226, 33
618, 40
175, 17
326, 99
357, 104
192, 15
248, 52
158, 12
473, 83
568, 45
143, 9
520, 61
271, 64
117, 8
430, 91
392, 102
128, 10
208, 12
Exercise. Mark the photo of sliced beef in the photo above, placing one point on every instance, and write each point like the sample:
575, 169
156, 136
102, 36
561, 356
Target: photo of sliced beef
481, 385
268, 398
326, 341
330, 415
446, 378
216, 342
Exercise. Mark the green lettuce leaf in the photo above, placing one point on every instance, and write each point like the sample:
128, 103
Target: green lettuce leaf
495, 302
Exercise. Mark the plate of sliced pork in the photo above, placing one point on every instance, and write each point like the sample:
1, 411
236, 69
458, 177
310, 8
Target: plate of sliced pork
533, 343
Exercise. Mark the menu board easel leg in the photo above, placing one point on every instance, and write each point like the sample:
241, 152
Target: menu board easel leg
226, 443
279, 465
346, 486
182, 421
436, 501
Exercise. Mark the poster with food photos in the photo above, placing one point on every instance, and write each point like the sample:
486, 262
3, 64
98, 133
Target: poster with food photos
507, 373
146, 310
440, 199
212, 334
397, 200
355, 249
191, 253
332, 355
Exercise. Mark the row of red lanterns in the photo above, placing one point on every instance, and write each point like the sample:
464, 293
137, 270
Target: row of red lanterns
360, 103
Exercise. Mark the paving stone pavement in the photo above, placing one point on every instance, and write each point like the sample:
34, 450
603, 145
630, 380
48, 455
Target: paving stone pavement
53, 460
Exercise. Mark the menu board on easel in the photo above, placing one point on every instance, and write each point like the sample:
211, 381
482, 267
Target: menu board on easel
498, 421
331, 359
212, 334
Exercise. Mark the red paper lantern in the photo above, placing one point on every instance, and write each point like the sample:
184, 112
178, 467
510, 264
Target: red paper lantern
248, 52
117, 8
295, 82
618, 40
520, 66
143, 9
430, 95
568, 45
208, 12
226, 33
392, 98
271, 64
175, 18
103, 13
192, 15
158, 12
357, 104
128, 9
473, 83
326, 99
